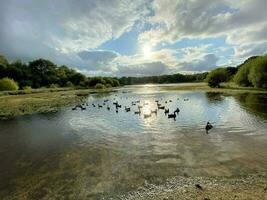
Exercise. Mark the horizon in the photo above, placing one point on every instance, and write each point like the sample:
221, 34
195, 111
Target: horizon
137, 39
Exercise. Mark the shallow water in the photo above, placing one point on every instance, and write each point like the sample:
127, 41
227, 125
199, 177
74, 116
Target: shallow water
96, 152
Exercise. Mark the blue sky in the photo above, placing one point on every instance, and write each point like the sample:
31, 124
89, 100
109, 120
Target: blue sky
134, 38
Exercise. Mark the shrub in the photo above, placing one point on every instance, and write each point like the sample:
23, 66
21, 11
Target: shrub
258, 73
53, 85
241, 77
69, 84
217, 76
99, 86
108, 85
8, 84
27, 88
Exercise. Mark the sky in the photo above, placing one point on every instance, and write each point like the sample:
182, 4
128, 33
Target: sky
134, 37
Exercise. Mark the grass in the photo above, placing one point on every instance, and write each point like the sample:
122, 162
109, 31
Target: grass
15, 103
225, 87
21, 102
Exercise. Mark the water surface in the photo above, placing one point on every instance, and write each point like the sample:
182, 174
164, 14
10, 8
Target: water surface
98, 152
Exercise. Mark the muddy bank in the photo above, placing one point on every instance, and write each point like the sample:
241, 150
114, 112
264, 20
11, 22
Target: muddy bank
249, 187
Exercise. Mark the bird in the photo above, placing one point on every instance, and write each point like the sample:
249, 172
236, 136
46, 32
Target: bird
127, 109
108, 107
161, 107
177, 110
147, 115
166, 111
170, 100
83, 108
154, 111
208, 126
172, 116
93, 104
137, 112
74, 108
100, 106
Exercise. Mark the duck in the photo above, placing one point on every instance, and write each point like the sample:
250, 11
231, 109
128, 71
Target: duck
186, 99
177, 110
166, 111
74, 108
117, 110
137, 112
83, 108
166, 101
108, 108
147, 115
208, 126
93, 104
172, 116
161, 107
127, 109
154, 111
99, 106
170, 100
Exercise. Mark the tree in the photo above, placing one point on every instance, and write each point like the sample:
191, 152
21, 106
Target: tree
258, 73
217, 76
8, 84
241, 77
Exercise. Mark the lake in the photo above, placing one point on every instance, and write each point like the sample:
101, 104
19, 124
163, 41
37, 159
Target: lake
95, 153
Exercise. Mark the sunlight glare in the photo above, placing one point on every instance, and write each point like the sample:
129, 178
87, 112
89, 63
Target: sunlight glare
147, 51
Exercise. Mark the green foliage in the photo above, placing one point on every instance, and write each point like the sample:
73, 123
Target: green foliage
108, 85
27, 88
8, 84
69, 84
253, 72
53, 85
217, 76
99, 86
258, 73
241, 77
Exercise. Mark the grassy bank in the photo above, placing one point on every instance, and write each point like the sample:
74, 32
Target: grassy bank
15, 103
227, 87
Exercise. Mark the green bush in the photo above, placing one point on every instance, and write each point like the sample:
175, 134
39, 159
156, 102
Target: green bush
53, 85
27, 88
258, 72
217, 76
8, 84
99, 86
69, 84
241, 77
108, 85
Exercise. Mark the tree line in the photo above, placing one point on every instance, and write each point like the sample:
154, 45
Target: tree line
44, 73
173, 78
251, 73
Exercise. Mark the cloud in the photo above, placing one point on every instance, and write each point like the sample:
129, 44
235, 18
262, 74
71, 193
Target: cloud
205, 63
239, 21
96, 60
144, 69
31, 28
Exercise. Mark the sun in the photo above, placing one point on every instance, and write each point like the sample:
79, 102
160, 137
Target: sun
147, 50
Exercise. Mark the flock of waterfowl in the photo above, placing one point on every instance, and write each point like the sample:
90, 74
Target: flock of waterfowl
140, 105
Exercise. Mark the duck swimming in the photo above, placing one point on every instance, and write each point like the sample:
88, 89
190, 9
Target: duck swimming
208, 126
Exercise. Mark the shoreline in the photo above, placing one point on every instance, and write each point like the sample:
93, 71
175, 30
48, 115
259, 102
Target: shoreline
12, 106
18, 103
205, 188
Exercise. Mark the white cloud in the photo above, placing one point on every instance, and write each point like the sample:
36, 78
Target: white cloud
64, 26
239, 21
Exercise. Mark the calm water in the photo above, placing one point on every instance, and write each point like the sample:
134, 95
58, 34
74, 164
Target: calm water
96, 152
